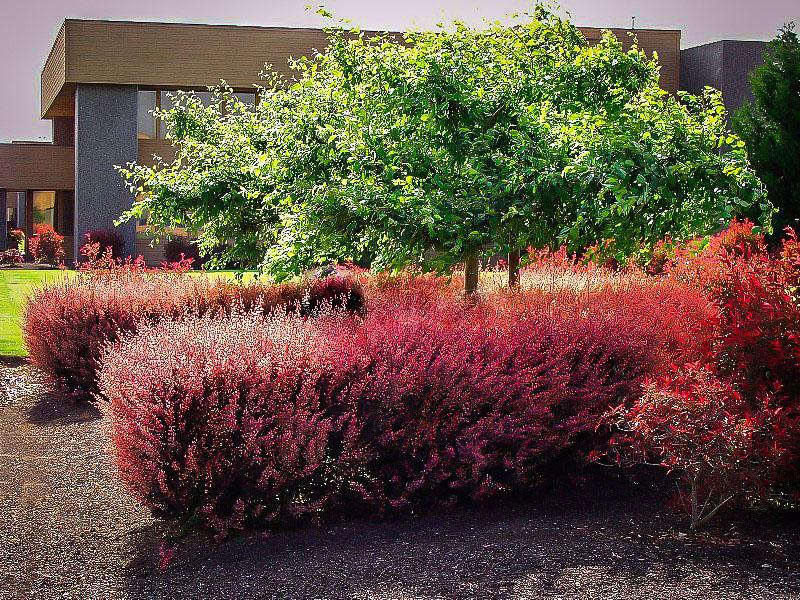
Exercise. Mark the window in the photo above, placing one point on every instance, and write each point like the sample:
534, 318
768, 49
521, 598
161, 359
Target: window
166, 103
246, 97
44, 209
146, 120
13, 200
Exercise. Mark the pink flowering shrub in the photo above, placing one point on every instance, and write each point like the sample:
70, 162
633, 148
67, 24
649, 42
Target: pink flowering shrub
251, 422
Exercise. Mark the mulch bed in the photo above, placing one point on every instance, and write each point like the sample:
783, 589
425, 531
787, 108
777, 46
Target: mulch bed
69, 530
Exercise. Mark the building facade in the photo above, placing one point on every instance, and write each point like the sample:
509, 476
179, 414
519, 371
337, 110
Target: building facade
724, 65
102, 79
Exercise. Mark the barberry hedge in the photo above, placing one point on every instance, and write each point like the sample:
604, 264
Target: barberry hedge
248, 422
66, 324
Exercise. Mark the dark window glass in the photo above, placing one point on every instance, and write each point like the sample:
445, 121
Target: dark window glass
246, 97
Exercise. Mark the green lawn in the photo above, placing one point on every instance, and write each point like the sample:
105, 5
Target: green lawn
15, 285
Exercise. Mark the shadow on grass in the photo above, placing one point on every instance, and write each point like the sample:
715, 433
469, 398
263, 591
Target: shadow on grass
592, 543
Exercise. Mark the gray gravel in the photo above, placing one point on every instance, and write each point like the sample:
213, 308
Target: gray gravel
70, 531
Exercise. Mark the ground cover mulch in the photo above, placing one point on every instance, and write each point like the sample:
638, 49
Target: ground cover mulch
69, 530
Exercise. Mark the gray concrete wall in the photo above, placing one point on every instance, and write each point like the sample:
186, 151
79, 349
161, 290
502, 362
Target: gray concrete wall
105, 135
3, 224
725, 65
740, 59
701, 66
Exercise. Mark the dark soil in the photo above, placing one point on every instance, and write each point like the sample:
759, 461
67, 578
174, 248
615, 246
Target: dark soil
70, 531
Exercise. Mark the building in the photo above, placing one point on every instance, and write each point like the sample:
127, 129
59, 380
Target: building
725, 65
102, 79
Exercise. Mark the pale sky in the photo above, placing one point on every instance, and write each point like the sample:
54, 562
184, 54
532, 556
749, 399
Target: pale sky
28, 27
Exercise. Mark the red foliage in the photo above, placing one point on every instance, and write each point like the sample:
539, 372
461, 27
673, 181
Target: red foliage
10, 257
698, 426
181, 248
108, 240
46, 246
222, 422
245, 423
16, 239
99, 262
757, 342
65, 324
751, 363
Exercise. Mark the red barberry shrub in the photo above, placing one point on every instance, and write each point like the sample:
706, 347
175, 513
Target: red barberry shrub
16, 239
46, 246
336, 291
226, 423
10, 257
472, 401
419, 400
181, 248
65, 324
108, 240
696, 425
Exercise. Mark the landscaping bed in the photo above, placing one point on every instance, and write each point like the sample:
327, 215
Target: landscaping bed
73, 532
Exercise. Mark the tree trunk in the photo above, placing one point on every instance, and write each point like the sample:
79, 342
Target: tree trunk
471, 276
513, 269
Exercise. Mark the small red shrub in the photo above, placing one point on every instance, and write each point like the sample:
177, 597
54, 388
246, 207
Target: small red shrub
10, 257
333, 292
46, 246
181, 248
699, 427
108, 240
66, 324
16, 239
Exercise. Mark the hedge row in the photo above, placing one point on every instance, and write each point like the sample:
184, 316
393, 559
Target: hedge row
66, 324
253, 421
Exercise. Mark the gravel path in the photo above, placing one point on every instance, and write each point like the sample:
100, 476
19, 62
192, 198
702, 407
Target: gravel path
70, 531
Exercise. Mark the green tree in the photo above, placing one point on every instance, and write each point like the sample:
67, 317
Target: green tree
444, 146
770, 125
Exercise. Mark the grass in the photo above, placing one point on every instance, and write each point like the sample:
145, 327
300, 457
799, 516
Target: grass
15, 285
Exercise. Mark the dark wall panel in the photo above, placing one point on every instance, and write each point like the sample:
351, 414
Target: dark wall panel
105, 136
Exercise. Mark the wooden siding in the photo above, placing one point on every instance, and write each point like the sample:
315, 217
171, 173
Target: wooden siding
36, 167
54, 76
665, 42
173, 55
179, 55
161, 148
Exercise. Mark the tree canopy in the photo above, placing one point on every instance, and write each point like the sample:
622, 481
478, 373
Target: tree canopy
770, 125
436, 147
